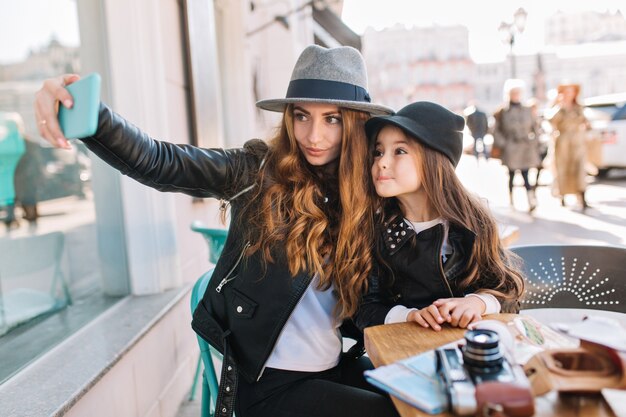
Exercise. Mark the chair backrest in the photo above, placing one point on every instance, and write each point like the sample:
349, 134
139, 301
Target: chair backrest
209, 379
32, 285
215, 239
574, 276
44, 251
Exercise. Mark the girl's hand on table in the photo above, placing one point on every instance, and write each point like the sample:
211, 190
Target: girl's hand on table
460, 312
427, 317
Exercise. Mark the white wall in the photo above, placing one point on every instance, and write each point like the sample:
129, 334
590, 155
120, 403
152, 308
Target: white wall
153, 378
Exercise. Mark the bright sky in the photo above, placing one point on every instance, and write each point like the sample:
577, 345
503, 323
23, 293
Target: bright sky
29, 24
482, 19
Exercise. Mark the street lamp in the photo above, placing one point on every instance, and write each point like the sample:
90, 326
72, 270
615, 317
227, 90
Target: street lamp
508, 31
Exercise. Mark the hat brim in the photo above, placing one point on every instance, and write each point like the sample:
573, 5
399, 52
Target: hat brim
278, 105
373, 127
410, 127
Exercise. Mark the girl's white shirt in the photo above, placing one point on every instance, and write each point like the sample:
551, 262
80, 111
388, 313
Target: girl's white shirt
399, 313
310, 340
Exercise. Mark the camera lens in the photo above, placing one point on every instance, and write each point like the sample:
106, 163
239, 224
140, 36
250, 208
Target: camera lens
482, 352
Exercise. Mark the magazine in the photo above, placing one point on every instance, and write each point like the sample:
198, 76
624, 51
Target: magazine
413, 380
532, 337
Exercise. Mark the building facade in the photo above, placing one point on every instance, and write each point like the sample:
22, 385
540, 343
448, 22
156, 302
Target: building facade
420, 63
582, 27
433, 63
599, 67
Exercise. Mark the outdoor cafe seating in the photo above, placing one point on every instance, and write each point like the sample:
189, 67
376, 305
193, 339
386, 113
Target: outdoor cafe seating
574, 276
205, 369
566, 286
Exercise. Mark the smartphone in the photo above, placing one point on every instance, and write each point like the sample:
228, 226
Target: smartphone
81, 120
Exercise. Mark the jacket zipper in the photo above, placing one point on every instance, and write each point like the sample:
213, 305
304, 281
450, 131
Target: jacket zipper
443, 274
228, 278
224, 202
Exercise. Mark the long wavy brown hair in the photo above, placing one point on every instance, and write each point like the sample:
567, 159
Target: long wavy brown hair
333, 238
491, 267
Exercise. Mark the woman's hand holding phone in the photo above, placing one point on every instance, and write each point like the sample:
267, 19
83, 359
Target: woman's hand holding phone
47, 101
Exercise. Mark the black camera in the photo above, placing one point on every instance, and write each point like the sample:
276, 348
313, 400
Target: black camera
480, 361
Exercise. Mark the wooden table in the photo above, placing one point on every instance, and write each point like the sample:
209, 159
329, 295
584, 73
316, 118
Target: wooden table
389, 343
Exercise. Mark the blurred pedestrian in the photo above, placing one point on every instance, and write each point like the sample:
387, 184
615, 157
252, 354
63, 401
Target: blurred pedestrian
12, 149
478, 126
28, 179
542, 137
570, 134
515, 135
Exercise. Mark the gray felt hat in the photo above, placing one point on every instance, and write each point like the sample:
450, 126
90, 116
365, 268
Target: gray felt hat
335, 76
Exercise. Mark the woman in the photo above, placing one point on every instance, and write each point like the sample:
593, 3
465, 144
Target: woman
441, 257
570, 130
516, 135
297, 255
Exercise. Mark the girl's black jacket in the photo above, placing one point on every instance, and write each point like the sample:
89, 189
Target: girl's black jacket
246, 304
411, 272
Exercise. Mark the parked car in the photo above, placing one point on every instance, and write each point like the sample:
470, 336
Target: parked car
607, 144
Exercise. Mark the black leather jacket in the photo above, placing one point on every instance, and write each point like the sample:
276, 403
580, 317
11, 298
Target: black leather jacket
417, 282
245, 306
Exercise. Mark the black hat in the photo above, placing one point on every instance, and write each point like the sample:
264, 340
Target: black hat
431, 124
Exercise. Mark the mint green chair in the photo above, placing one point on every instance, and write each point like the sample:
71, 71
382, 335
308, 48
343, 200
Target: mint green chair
34, 284
12, 148
215, 239
209, 377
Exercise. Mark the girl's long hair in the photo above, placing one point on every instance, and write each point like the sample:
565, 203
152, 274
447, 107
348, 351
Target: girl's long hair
491, 267
289, 210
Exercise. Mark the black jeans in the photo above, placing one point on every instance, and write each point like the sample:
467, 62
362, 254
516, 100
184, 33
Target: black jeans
337, 392
483, 147
524, 175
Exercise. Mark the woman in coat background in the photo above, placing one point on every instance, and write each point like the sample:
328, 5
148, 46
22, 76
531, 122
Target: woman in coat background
570, 136
516, 135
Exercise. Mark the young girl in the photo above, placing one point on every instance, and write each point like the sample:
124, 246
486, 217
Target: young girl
441, 259
299, 208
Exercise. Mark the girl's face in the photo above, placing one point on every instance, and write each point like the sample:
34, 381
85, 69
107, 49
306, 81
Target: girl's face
396, 164
318, 129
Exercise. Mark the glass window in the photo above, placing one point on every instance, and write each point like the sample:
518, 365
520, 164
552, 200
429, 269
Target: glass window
51, 268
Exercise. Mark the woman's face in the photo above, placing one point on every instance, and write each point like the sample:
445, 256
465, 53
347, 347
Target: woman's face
568, 94
318, 129
515, 95
396, 161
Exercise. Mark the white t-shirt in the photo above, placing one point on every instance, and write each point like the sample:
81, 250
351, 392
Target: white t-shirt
311, 340
399, 313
